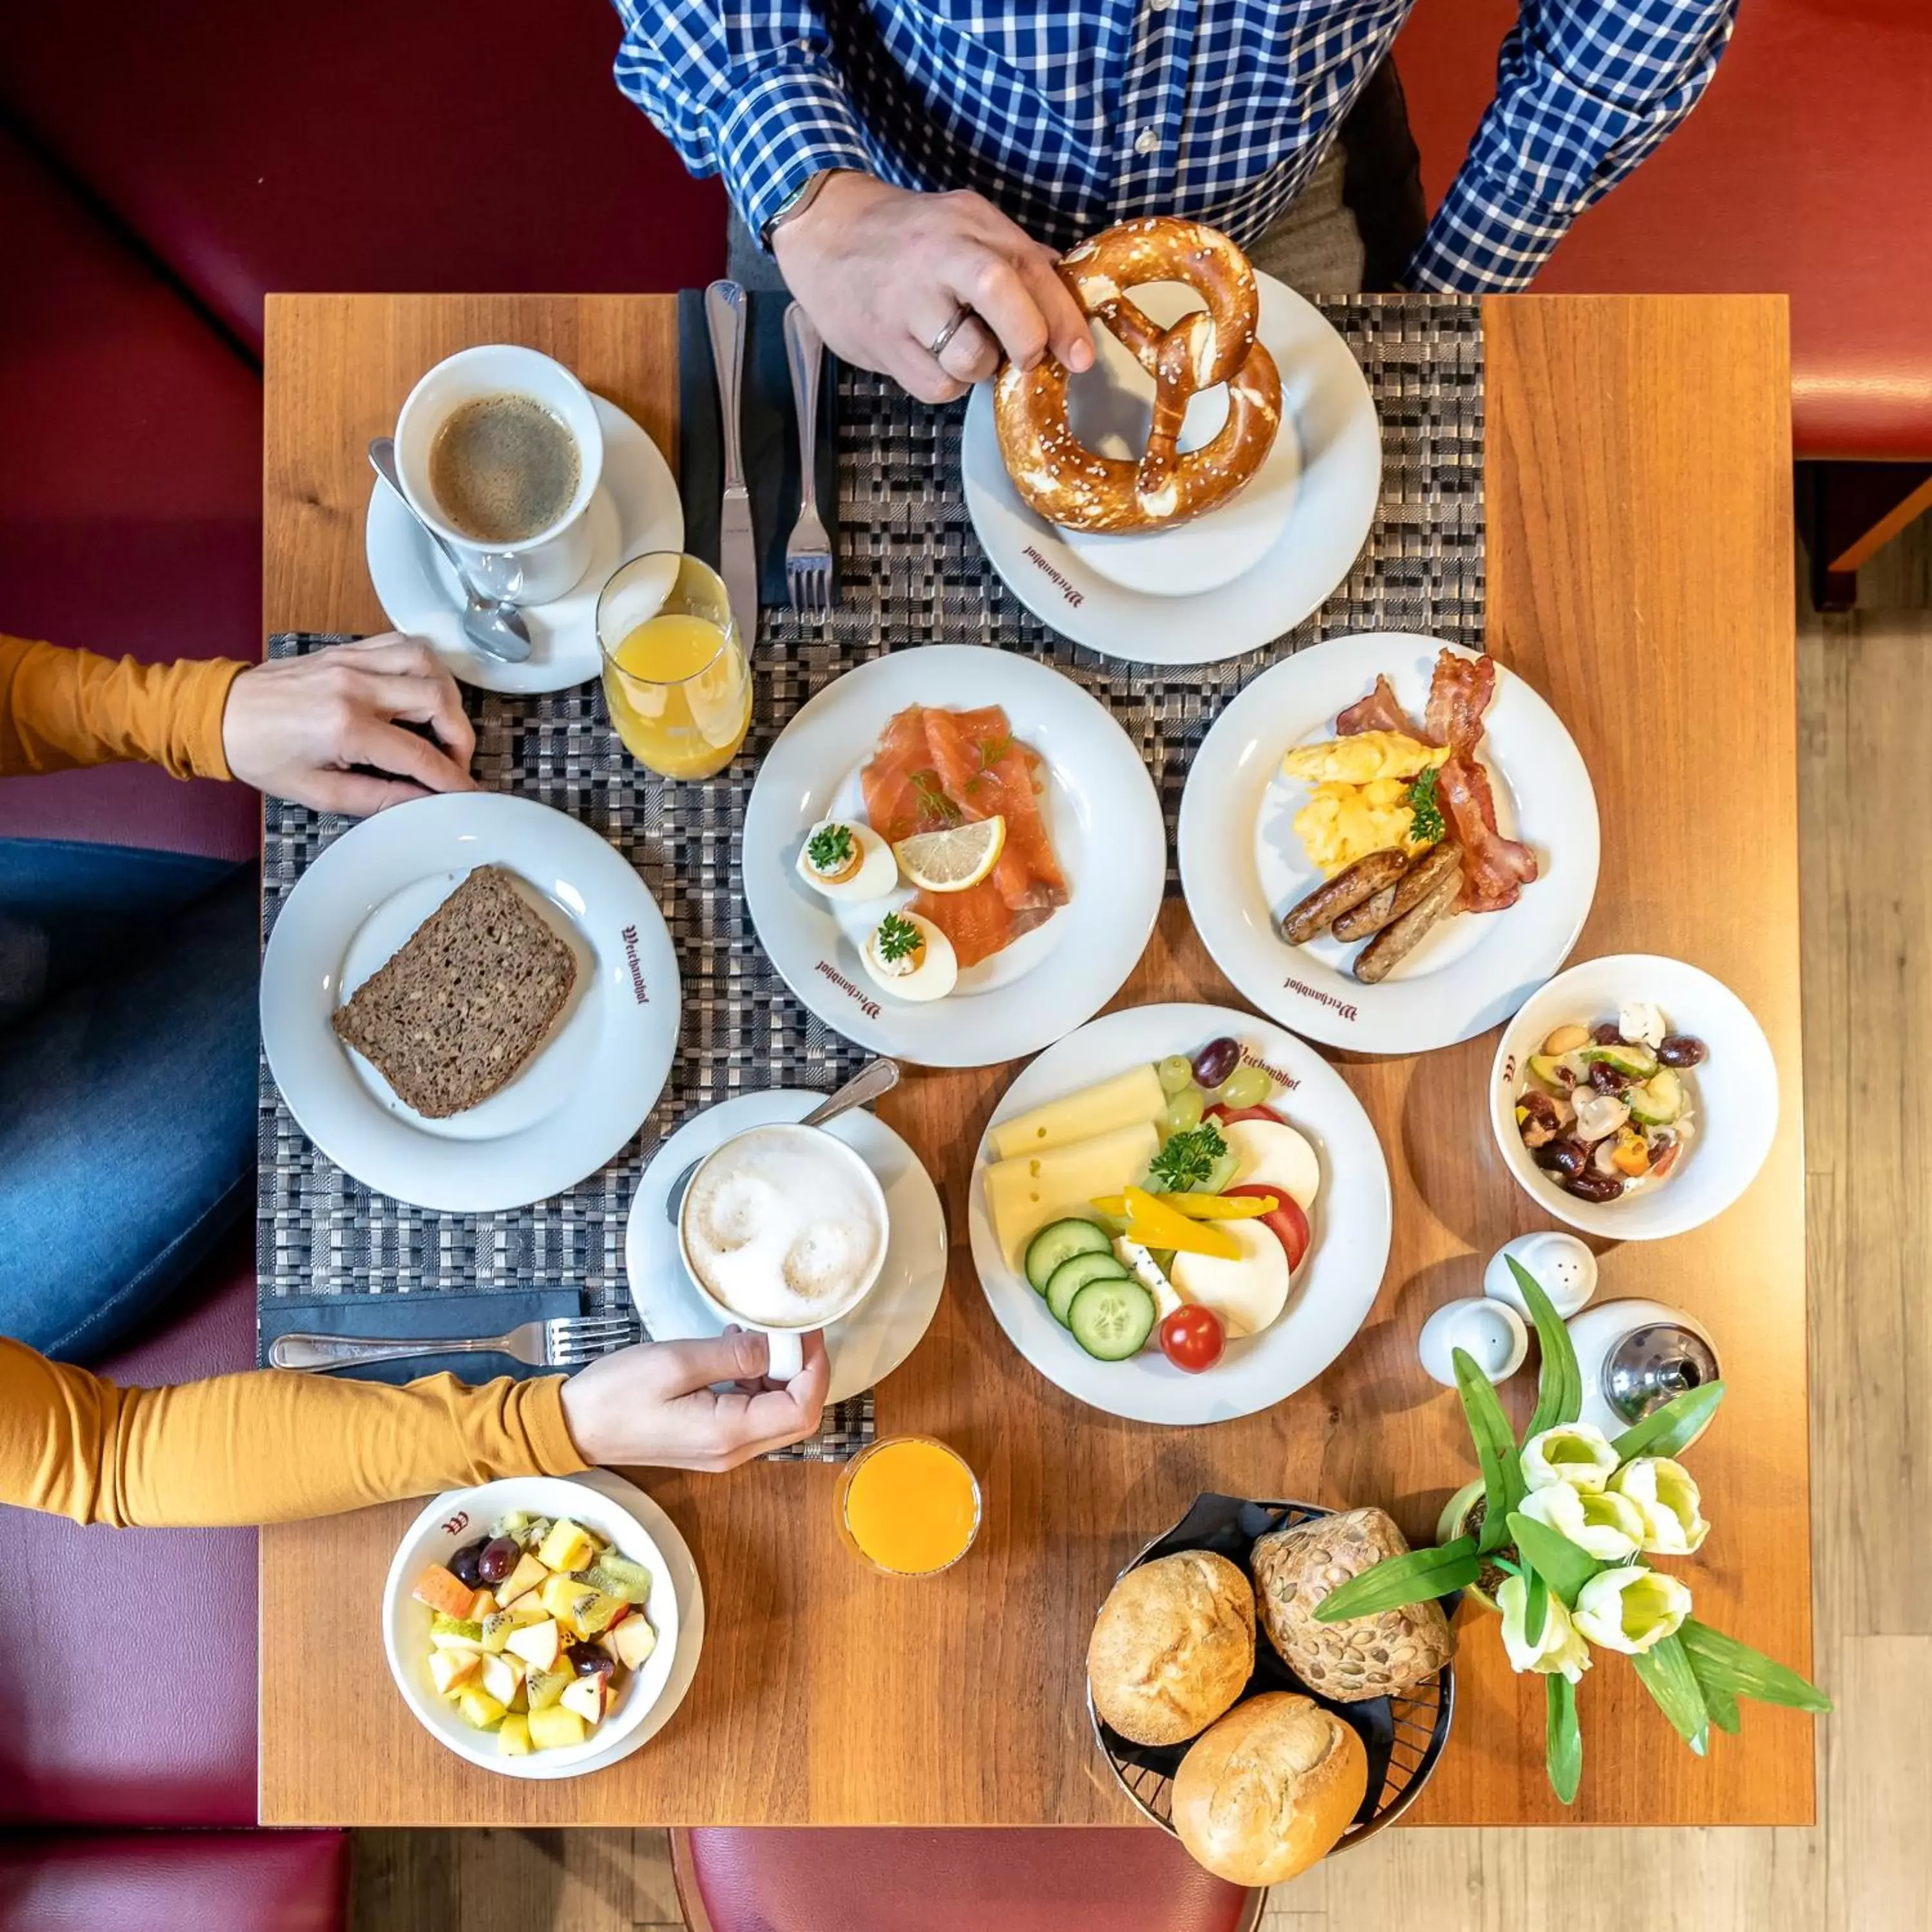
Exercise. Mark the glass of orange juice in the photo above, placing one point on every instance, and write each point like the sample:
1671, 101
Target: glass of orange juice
675, 674
909, 1506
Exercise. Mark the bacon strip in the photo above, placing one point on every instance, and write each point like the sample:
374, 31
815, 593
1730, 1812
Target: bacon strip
1495, 869
1459, 694
1378, 712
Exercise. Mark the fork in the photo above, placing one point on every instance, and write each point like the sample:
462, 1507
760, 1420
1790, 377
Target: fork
566, 1342
808, 549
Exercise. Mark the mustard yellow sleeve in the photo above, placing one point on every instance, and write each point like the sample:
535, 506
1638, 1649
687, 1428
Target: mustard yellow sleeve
263, 1446
61, 707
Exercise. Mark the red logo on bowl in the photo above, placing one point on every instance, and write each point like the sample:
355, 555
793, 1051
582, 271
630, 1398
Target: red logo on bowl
868, 1005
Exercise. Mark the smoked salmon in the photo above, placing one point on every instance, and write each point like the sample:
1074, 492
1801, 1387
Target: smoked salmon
933, 769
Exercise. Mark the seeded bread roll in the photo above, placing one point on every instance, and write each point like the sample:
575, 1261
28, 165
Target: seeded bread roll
1173, 1647
466, 1001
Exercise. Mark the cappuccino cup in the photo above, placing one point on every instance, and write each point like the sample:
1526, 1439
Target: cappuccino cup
516, 418
783, 1229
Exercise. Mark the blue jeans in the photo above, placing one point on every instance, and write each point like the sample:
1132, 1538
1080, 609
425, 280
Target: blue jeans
128, 1036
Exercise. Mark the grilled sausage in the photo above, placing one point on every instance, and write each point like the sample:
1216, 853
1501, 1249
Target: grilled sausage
1415, 885
1346, 890
1399, 939
1371, 915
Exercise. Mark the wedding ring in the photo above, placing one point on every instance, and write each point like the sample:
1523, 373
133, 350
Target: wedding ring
936, 347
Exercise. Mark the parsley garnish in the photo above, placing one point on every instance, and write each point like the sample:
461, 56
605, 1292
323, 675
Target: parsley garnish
1188, 1158
897, 939
830, 847
1426, 826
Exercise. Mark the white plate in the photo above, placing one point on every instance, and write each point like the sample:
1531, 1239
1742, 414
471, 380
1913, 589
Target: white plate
1101, 811
885, 1327
1332, 1291
580, 1097
1228, 582
1242, 866
636, 508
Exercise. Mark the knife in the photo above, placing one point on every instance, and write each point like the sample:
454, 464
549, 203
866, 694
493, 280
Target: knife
724, 313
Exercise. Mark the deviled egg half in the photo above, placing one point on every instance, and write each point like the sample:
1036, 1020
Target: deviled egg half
911, 958
845, 860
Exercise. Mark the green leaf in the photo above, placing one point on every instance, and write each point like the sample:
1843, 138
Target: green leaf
1667, 1431
1559, 1387
1411, 1578
1495, 1450
1535, 1605
1665, 1668
1562, 1740
1564, 1568
1735, 1667
1719, 1704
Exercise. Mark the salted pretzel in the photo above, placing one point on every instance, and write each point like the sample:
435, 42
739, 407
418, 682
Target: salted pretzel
1069, 484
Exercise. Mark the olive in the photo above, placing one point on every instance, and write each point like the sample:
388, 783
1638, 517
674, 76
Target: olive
466, 1566
1216, 1061
1567, 1157
1591, 1185
587, 1662
1606, 1079
1607, 1035
1682, 1049
499, 1557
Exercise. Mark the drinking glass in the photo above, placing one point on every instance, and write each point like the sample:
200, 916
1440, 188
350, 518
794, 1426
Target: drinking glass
909, 1506
675, 674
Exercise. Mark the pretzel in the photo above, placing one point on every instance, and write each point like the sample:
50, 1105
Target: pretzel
1069, 484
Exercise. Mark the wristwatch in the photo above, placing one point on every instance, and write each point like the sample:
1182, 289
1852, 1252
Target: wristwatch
794, 205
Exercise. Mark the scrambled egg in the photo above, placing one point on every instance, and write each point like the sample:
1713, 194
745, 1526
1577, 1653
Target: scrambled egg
1358, 806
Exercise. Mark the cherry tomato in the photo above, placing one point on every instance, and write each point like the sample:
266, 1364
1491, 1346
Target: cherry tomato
1286, 1222
1228, 1116
1192, 1338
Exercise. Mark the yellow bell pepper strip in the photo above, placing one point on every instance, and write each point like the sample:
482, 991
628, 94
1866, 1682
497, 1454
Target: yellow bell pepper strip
1154, 1225
1197, 1206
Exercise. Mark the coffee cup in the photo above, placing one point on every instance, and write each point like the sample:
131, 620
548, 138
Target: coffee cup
783, 1229
516, 437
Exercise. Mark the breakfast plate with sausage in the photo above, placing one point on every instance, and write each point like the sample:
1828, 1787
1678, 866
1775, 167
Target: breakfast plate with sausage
1388, 842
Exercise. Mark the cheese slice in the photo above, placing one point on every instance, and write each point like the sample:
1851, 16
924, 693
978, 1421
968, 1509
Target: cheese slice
1024, 1194
1126, 1100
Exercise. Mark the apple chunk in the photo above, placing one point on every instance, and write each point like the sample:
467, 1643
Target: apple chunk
538, 1645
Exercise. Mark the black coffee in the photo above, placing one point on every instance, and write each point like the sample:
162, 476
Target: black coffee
502, 468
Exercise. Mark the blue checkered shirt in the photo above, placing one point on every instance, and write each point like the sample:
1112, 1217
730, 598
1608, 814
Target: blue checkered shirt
1070, 114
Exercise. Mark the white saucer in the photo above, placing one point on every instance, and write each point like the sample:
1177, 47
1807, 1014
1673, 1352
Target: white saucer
584, 1092
1232, 580
636, 508
885, 1327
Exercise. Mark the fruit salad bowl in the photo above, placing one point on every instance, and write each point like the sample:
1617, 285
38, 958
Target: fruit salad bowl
453, 1522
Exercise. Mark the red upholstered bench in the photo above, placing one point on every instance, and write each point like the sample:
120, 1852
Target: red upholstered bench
1802, 171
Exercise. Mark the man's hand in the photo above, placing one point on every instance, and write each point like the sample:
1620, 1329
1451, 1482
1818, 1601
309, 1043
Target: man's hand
883, 270
295, 727
654, 1404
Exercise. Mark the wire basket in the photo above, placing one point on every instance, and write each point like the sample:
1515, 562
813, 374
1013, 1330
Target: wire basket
1403, 1735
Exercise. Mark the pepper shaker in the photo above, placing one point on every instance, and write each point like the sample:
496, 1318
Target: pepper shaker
1635, 1356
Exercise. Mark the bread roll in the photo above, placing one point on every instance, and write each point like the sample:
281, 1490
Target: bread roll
1173, 1647
1269, 1790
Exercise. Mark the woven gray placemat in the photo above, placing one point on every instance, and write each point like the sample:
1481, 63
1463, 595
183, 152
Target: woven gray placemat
913, 573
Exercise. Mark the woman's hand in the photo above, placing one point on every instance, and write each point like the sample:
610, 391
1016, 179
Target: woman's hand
654, 1404
296, 726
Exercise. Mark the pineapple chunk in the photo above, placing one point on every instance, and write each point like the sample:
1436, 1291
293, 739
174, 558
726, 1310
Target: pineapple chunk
448, 1670
553, 1728
498, 1629
513, 1736
538, 1644
566, 1547
479, 1708
543, 1688
631, 1642
560, 1596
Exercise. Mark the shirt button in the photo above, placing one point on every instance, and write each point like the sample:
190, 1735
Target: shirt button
1146, 141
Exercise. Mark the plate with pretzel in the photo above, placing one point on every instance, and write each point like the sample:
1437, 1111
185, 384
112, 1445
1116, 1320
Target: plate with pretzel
1206, 485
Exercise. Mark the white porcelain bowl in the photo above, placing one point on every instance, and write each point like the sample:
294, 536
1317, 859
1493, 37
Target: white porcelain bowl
460, 1516
1734, 1092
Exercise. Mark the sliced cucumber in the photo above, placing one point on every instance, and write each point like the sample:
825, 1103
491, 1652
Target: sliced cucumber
1634, 1063
1112, 1319
1059, 1241
1660, 1101
1075, 1272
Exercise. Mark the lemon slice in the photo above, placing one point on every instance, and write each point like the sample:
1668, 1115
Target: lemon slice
950, 861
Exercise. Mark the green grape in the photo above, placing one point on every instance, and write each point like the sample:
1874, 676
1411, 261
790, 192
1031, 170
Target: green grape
1246, 1087
1176, 1072
1181, 1112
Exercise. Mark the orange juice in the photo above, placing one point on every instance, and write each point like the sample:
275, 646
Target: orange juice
680, 695
910, 1505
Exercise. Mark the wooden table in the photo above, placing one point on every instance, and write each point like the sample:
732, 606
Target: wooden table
1640, 576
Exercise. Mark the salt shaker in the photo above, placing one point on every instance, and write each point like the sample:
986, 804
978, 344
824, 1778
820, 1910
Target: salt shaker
1561, 1265
1492, 1332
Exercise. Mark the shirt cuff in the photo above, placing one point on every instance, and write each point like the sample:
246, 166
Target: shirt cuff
196, 750
540, 1404
1483, 241
780, 131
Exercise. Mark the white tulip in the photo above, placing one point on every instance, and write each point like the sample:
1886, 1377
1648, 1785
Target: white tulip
1632, 1610
1559, 1649
1606, 1525
1575, 1453
1667, 1496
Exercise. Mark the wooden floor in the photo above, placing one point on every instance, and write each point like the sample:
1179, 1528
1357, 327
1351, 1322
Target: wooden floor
1865, 689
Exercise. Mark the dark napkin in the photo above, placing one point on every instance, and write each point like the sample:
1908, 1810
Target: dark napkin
768, 426
397, 1318
1231, 1528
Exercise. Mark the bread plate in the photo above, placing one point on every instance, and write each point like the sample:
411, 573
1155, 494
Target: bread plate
1331, 1292
1098, 808
580, 1097
1229, 581
1242, 866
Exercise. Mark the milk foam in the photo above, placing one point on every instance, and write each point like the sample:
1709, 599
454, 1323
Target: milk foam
779, 1227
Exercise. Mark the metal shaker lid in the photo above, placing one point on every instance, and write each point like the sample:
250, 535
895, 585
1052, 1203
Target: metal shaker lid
1651, 1364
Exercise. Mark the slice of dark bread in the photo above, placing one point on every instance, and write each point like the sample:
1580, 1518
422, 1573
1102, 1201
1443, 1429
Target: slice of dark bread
466, 1000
